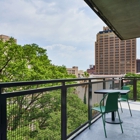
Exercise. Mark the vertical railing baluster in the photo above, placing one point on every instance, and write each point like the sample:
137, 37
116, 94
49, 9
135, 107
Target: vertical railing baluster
104, 83
112, 83
104, 87
3, 117
135, 89
89, 101
63, 112
121, 83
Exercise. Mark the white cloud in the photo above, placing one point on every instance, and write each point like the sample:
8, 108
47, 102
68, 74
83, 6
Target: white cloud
70, 56
55, 20
68, 28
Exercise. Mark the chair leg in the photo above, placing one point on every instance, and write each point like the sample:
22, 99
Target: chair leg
129, 108
104, 118
104, 125
121, 106
120, 121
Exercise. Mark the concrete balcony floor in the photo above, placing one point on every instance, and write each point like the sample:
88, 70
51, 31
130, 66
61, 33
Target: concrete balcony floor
131, 126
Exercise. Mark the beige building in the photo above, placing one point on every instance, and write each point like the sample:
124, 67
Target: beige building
114, 56
6, 38
80, 73
74, 70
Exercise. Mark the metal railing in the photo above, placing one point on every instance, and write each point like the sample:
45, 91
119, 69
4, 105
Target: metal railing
13, 90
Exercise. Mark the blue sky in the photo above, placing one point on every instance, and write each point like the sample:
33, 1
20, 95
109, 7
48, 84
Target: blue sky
66, 28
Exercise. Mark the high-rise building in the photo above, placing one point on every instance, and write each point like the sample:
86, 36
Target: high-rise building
6, 38
114, 56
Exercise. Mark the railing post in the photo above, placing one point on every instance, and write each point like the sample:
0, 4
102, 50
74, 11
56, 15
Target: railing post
112, 83
63, 112
135, 89
3, 117
104, 83
104, 87
89, 101
121, 82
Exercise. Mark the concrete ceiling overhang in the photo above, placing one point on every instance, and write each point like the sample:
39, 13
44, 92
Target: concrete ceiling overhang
121, 16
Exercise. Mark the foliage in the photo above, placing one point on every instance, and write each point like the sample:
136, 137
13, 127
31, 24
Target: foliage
130, 84
36, 116
42, 119
28, 62
132, 75
77, 112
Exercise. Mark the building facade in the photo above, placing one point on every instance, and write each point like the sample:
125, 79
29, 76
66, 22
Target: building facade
74, 70
6, 38
114, 56
91, 69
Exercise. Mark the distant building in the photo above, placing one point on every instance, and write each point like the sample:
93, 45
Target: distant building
80, 73
114, 56
6, 38
91, 69
138, 65
74, 70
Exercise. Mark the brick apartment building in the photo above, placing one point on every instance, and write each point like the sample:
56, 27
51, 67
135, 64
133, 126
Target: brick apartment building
114, 56
91, 69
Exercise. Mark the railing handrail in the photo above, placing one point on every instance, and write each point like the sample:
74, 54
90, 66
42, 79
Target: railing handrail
24, 83
63, 85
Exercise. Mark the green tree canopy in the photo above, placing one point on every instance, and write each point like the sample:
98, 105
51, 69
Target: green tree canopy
28, 62
132, 75
36, 116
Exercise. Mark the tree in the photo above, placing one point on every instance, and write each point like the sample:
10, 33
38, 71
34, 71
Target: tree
36, 116
130, 84
28, 62
132, 75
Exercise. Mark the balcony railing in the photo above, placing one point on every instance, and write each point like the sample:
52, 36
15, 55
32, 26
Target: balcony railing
21, 101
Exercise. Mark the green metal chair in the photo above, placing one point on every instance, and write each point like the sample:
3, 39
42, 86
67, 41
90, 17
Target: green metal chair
124, 98
111, 105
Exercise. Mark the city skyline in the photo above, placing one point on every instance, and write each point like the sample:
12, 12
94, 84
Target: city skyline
67, 29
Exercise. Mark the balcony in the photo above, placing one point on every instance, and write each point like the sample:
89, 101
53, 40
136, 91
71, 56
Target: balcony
130, 126
27, 109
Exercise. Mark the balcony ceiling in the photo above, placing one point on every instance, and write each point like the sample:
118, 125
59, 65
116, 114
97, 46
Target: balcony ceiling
122, 16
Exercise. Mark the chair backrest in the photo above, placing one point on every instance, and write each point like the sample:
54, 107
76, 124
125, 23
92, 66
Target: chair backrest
112, 102
125, 88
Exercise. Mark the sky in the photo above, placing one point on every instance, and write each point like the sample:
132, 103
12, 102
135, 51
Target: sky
65, 28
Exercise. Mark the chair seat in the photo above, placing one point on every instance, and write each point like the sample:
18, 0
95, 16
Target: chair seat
99, 109
122, 99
